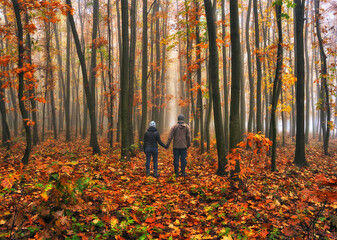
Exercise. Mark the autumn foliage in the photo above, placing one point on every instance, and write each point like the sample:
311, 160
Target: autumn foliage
66, 193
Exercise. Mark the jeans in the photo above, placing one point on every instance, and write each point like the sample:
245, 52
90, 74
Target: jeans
179, 153
154, 153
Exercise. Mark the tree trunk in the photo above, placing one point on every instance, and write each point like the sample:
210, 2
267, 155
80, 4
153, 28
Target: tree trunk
60, 77
224, 73
133, 22
110, 75
250, 75
5, 129
162, 76
325, 106
277, 87
67, 95
32, 87
214, 79
307, 77
198, 118
23, 110
124, 80
144, 73
157, 86
92, 73
283, 121
86, 87
234, 124
299, 73
258, 68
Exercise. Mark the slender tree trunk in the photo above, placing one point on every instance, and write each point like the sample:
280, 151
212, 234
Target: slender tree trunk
199, 110
208, 109
242, 88
120, 64
133, 23
32, 87
5, 129
60, 77
224, 73
214, 79
92, 73
110, 75
277, 87
307, 77
23, 110
67, 95
300, 159
234, 124
13, 99
162, 76
86, 87
283, 121
157, 70
124, 80
153, 90
250, 75
258, 68
144, 73
325, 106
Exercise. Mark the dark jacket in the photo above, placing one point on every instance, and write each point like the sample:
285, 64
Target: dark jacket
181, 135
151, 138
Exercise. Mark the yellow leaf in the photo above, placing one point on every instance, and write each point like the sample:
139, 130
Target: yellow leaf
113, 222
44, 196
95, 221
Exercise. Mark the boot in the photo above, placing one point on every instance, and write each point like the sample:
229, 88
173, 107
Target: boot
176, 171
183, 173
155, 173
147, 172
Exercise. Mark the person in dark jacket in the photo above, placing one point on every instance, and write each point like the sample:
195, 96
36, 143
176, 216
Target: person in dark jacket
181, 135
151, 140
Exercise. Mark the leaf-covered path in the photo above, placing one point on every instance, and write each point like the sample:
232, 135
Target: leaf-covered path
66, 193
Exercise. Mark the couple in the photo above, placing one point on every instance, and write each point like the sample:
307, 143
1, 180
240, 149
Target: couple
181, 135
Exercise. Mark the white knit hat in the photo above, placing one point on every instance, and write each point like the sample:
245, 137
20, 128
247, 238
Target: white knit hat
152, 124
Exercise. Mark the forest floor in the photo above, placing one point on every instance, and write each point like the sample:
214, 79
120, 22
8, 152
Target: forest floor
66, 193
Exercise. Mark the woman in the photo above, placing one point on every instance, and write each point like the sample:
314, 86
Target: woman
151, 138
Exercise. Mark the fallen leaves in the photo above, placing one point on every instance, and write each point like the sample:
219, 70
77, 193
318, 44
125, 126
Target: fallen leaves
66, 192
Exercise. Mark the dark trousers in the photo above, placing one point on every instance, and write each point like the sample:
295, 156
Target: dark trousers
179, 153
154, 153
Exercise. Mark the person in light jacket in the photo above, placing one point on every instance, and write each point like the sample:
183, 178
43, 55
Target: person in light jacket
181, 135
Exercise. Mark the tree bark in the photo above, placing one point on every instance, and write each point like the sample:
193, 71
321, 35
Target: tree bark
67, 95
86, 87
133, 23
124, 80
325, 106
32, 87
300, 159
144, 73
234, 124
307, 77
23, 110
277, 87
258, 69
214, 78
199, 110
250, 75
224, 73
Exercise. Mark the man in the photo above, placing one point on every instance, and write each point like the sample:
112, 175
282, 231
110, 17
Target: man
181, 135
